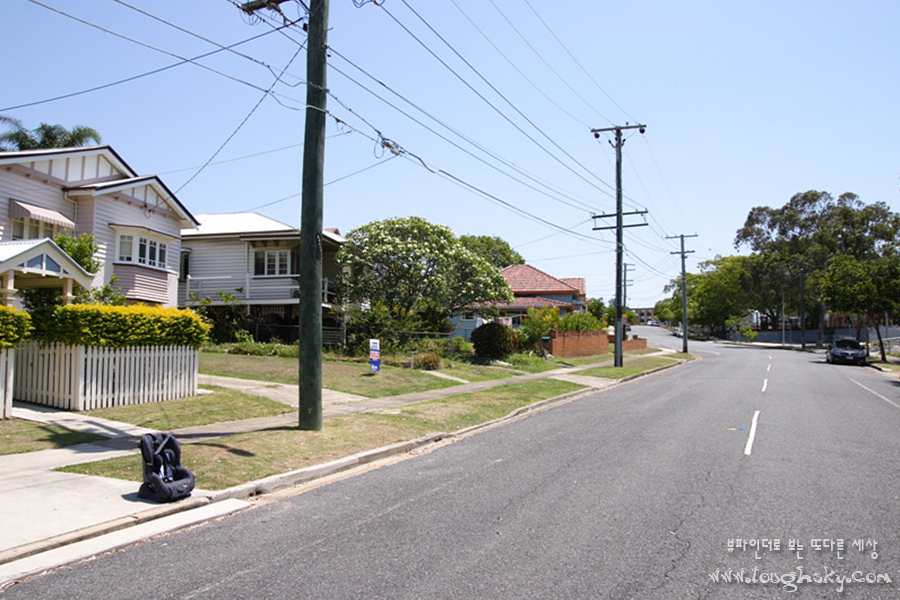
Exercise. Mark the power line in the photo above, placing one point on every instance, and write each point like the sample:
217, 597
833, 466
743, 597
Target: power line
133, 77
238, 128
548, 65
524, 76
196, 35
497, 157
149, 46
494, 107
577, 62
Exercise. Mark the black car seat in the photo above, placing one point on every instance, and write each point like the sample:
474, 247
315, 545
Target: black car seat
165, 479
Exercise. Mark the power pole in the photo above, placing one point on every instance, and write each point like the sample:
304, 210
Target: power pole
684, 312
620, 246
310, 272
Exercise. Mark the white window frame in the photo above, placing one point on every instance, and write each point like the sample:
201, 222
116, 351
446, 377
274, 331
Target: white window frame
274, 263
35, 229
142, 249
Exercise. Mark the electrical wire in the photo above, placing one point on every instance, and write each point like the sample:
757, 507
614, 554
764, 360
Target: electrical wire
196, 35
577, 62
494, 107
149, 46
238, 128
547, 64
550, 191
524, 76
132, 78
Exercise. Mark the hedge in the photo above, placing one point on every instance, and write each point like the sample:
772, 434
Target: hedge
123, 326
14, 326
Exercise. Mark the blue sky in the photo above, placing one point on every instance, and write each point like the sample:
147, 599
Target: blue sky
745, 104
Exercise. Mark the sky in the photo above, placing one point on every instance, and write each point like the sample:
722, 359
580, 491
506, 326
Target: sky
478, 114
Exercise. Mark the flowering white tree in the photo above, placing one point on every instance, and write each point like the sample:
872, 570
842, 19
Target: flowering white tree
413, 266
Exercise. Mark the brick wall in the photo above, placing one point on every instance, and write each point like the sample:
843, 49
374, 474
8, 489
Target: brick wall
629, 345
572, 344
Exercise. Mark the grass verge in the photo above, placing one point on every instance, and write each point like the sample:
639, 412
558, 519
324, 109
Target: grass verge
19, 436
219, 407
629, 368
349, 377
226, 462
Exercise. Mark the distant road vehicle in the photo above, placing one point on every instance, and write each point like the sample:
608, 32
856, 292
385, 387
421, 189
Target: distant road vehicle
846, 351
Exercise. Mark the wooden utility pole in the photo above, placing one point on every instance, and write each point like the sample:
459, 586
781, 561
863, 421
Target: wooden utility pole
310, 271
620, 245
684, 304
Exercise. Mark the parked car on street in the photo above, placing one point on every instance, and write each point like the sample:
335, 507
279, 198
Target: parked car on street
846, 351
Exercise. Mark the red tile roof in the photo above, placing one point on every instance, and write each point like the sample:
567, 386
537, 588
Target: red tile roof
577, 282
525, 279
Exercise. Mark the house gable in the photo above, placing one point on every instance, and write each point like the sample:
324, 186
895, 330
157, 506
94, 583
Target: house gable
136, 221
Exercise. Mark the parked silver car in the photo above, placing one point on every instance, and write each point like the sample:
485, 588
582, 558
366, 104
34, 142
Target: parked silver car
846, 351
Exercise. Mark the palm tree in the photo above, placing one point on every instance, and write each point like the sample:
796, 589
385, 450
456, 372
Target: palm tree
44, 136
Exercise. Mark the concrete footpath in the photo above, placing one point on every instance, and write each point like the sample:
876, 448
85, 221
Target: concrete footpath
49, 518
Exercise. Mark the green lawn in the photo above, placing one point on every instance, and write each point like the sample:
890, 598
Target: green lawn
19, 436
342, 376
226, 462
629, 368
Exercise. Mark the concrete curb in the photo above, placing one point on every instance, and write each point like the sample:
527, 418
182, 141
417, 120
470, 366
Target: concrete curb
151, 514
282, 481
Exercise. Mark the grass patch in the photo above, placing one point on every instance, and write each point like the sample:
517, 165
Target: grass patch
472, 372
275, 369
628, 369
219, 407
226, 462
390, 381
531, 363
19, 435
341, 376
589, 360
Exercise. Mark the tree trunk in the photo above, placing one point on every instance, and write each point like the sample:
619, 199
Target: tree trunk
880, 340
821, 337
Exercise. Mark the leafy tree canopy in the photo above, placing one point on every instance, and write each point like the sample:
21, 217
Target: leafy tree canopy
44, 136
415, 266
493, 249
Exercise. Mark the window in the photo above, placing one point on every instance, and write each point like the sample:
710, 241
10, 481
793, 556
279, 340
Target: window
271, 262
150, 252
32, 229
185, 267
126, 244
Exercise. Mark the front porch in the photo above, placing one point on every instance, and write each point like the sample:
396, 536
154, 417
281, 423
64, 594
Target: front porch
27, 264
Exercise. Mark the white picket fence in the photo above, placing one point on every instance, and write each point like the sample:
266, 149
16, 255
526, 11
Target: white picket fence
89, 377
7, 366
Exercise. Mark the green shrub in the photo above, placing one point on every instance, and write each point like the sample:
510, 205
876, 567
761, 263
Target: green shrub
493, 340
749, 333
14, 326
428, 361
122, 326
251, 348
536, 326
579, 322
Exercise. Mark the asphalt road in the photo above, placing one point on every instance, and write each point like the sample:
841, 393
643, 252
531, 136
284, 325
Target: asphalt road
640, 491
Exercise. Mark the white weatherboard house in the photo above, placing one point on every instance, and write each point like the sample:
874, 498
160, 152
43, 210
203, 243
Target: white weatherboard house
136, 222
256, 260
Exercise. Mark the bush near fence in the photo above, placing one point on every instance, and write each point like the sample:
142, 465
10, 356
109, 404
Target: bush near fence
91, 356
14, 327
123, 326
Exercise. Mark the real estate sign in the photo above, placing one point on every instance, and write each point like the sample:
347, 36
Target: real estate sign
375, 355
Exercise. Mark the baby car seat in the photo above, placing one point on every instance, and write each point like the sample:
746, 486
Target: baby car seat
165, 479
